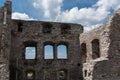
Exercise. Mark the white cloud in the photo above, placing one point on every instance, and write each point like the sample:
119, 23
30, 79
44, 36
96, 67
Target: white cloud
89, 17
22, 16
51, 8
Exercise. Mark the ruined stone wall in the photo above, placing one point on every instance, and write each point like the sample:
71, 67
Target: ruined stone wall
45, 69
114, 24
94, 54
4, 74
105, 67
1, 20
5, 40
1, 14
109, 69
113, 65
102, 35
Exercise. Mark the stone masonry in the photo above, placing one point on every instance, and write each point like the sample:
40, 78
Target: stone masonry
103, 62
92, 55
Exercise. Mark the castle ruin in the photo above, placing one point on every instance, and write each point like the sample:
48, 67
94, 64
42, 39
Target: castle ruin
92, 55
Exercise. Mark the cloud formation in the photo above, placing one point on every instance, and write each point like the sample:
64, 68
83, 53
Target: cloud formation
51, 8
22, 16
89, 17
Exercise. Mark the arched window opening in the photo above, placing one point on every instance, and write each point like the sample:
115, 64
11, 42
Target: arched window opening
65, 29
85, 73
48, 52
62, 74
95, 49
30, 52
83, 52
62, 51
30, 75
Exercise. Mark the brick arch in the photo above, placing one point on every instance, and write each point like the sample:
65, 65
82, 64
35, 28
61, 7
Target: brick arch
62, 43
48, 43
30, 43
95, 38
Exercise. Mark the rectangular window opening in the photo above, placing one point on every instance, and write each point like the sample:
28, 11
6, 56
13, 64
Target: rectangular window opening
30, 53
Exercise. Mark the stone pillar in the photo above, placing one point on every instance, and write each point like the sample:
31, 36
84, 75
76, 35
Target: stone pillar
4, 62
55, 52
5, 41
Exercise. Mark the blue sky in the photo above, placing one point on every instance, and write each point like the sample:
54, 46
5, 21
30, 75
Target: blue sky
89, 13
2, 2
61, 52
30, 52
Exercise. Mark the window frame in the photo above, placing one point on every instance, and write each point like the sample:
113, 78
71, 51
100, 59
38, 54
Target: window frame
30, 44
53, 49
95, 43
66, 45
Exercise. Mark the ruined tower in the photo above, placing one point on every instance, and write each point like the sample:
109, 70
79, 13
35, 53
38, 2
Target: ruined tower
5, 40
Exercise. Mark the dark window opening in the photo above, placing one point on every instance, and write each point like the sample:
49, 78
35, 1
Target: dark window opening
20, 24
30, 75
47, 28
65, 29
30, 52
78, 64
62, 51
85, 73
83, 52
62, 75
48, 52
95, 49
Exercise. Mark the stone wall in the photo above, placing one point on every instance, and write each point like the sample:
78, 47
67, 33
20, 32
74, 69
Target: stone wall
46, 69
4, 72
102, 35
1, 14
105, 67
114, 24
94, 56
5, 40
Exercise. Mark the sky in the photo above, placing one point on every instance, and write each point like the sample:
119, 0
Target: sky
89, 13
30, 52
61, 52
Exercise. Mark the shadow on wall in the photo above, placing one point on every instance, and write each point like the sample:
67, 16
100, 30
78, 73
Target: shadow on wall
106, 70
